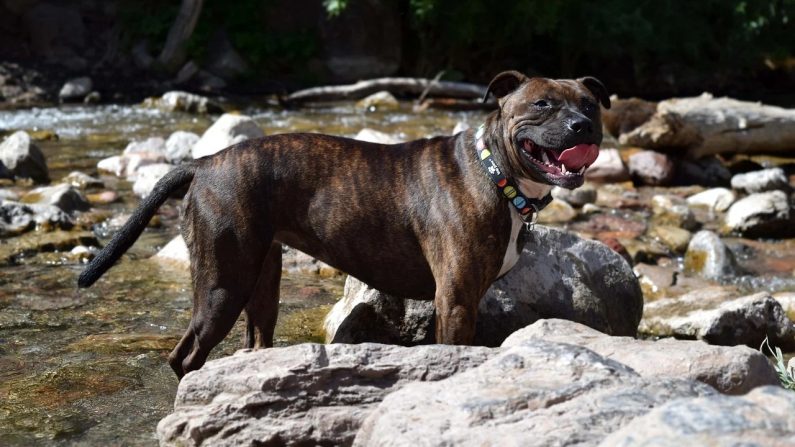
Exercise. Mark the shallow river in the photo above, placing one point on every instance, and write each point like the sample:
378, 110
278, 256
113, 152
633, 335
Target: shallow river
90, 368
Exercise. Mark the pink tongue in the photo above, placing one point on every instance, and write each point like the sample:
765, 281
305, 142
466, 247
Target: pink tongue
578, 156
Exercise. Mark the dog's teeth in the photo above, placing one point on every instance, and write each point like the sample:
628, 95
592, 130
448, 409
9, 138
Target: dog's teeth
582, 170
563, 169
544, 157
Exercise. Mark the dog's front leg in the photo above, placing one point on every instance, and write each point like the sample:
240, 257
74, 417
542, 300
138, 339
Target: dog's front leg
456, 302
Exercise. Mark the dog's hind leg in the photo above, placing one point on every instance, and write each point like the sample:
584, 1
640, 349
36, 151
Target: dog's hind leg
226, 260
263, 306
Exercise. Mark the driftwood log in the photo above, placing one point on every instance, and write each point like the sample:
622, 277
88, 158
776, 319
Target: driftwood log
705, 125
397, 86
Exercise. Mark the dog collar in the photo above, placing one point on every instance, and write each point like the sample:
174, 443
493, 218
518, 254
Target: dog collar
527, 208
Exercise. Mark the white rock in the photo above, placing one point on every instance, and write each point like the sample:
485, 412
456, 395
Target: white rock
76, 89
179, 146
765, 214
709, 257
62, 195
174, 253
382, 100
147, 176
730, 370
154, 145
375, 136
115, 165
229, 129
760, 181
717, 199
23, 158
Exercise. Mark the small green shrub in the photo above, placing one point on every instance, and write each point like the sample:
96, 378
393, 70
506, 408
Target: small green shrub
785, 375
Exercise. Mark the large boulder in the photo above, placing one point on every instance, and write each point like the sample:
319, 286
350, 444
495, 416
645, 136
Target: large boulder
730, 370
300, 395
179, 146
229, 129
763, 417
558, 275
537, 393
719, 316
147, 177
22, 158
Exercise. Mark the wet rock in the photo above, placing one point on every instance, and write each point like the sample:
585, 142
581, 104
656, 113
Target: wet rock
651, 168
178, 101
13, 250
365, 314
579, 197
718, 316
82, 180
557, 211
716, 199
15, 218
648, 251
787, 301
765, 214
64, 196
761, 417
536, 393
102, 198
128, 165
672, 237
673, 211
302, 395
92, 98
174, 253
708, 257
115, 343
761, 181
179, 146
76, 89
654, 279
730, 370
229, 129
610, 226
23, 158
619, 195
381, 101
294, 261
375, 136
558, 275
147, 177
152, 145
608, 168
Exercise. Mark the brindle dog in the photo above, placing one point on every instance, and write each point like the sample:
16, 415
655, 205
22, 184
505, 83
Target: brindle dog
421, 218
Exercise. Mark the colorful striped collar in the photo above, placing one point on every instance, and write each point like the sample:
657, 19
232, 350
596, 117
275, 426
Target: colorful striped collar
527, 208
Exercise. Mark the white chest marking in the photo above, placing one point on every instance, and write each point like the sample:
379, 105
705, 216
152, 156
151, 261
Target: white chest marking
530, 189
511, 253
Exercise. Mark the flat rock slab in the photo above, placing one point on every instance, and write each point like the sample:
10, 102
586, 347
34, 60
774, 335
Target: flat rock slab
300, 395
538, 393
730, 370
763, 417
718, 316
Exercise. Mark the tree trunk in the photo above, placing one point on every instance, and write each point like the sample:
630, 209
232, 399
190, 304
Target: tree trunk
400, 86
173, 54
705, 125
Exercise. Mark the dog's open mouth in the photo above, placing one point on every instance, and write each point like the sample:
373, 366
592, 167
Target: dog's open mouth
571, 162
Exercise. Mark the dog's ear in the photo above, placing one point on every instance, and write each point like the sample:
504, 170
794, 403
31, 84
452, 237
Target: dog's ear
504, 83
597, 88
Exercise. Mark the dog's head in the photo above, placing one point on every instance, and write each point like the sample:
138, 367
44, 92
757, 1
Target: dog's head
551, 129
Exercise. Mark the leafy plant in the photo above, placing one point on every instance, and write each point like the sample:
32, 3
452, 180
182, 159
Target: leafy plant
785, 375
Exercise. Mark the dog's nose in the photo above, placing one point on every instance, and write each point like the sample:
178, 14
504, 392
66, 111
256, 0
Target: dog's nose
580, 125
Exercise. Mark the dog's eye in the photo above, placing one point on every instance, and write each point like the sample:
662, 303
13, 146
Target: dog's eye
541, 103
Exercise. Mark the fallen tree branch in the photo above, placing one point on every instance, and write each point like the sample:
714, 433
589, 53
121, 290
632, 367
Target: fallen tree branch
397, 86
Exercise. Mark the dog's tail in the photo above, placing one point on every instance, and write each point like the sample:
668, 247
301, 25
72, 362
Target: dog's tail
124, 239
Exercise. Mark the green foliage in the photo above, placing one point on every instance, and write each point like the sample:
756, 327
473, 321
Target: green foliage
335, 7
785, 376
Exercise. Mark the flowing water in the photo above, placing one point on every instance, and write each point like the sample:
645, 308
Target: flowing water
90, 368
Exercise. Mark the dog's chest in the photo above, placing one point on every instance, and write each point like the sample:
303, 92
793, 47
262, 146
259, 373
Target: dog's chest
512, 250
